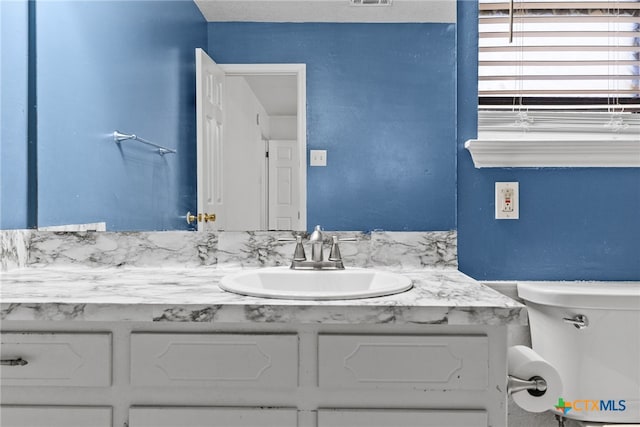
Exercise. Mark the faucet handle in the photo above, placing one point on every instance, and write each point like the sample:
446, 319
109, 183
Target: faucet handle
298, 254
335, 254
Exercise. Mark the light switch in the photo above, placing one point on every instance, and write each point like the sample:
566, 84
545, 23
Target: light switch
318, 158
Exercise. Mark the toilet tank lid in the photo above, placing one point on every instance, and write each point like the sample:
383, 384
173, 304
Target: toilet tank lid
620, 295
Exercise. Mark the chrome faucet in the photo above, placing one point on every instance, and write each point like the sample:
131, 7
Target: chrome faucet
317, 262
316, 240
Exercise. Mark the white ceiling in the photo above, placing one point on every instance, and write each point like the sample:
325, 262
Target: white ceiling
327, 11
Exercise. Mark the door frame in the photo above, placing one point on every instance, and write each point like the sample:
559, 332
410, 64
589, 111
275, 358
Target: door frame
300, 71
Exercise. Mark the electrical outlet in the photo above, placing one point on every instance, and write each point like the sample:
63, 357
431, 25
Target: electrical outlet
318, 158
507, 200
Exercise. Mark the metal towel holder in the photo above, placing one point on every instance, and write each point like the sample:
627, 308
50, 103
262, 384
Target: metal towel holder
118, 137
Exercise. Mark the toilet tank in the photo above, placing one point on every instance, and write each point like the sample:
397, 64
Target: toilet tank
599, 363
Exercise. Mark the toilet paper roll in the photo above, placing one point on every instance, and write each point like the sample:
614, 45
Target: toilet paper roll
524, 363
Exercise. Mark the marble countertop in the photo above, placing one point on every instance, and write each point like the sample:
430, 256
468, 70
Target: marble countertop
439, 296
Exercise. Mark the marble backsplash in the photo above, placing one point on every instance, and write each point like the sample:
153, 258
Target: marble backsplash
31, 248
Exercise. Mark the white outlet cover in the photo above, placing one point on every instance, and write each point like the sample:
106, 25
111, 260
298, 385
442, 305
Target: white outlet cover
507, 200
318, 158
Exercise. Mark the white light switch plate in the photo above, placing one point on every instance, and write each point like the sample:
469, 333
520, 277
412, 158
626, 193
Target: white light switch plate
507, 200
318, 158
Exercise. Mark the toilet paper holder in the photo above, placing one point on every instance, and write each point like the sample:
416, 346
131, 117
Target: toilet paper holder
536, 386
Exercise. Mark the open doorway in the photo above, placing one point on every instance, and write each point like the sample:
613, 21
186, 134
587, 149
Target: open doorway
266, 127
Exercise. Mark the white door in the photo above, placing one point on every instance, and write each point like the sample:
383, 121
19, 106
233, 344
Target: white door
284, 185
210, 133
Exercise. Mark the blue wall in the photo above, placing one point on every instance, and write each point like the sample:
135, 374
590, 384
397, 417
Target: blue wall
575, 223
13, 119
381, 100
125, 65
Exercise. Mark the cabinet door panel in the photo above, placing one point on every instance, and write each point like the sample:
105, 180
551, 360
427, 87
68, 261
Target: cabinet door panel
214, 359
55, 416
56, 359
400, 418
430, 362
211, 417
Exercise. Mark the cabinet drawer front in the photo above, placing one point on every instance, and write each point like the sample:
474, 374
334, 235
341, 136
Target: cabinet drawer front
404, 362
55, 416
56, 359
211, 417
214, 359
400, 418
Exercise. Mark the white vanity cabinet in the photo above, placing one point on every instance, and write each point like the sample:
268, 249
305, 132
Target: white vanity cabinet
188, 374
401, 418
194, 360
54, 363
55, 416
55, 359
248, 417
403, 362
212, 417
411, 373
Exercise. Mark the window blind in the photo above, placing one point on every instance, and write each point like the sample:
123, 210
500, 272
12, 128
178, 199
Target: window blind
574, 53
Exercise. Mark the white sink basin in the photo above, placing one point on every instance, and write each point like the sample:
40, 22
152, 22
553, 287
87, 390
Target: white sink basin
282, 282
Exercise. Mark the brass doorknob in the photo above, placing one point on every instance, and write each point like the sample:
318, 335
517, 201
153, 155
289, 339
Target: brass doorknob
192, 218
200, 217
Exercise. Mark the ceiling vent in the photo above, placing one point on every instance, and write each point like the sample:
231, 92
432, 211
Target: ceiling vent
370, 2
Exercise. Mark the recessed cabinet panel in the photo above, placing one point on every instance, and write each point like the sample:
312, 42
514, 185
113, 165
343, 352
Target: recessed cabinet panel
404, 362
211, 417
400, 418
208, 359
55, 416
55, 359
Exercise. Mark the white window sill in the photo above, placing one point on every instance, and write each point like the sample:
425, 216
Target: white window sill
496, 153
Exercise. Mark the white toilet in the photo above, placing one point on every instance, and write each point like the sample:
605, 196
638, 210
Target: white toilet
590, 332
